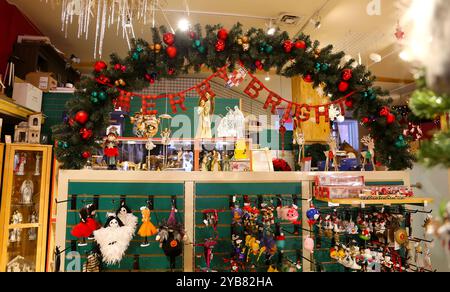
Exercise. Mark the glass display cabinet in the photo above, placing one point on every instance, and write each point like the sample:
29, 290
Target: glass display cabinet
137, 154
24, 209
2, 150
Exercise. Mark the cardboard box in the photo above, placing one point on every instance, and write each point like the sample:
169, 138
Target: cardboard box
27, 95
45, 81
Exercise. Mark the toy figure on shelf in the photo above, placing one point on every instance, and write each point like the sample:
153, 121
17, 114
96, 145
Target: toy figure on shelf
125, 215
20, 169
226, 162
215, 163
111, 150
205, 162
113, 239
368, 155
147, 228
32, 235
165, 135
26, 191
204, 111
16, 233
188, 157
37, 171
331, 154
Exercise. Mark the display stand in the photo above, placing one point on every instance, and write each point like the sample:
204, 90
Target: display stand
199, 189
24, 211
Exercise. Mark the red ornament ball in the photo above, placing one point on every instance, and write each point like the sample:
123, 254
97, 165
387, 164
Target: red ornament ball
82, 117
171, 71
300, 45
117, 67
169, 38
192, 35
259, 65
391, 118
343, 86
100, 66
349, 103
86, 134
222, 34
86, 154
171, 52
308, 78
365, 120
220, 46
347, 74
287, 46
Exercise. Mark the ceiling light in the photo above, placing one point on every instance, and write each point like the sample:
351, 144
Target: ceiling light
317, 22
184, 24
271, 31
376, 57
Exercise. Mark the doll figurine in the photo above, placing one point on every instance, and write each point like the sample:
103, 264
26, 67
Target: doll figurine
82, 230
215, 163
205, 162
226, 162
204, 111
32, 232
37, 171
147, 228
15, 234
20, 170
126, 216
26, 190
111, 151
113, 239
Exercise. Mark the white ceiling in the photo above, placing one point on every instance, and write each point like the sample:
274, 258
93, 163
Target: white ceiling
345, 24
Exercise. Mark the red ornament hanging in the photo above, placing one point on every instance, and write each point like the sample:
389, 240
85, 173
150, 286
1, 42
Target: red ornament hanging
86, 155
102, 79
308, 78
347, 74
82, 117
283, 131
169, 38
171, 71
222, 34
384, 112
365, 120
171, 52
259, 65
220, 46
86, 134
288, 46
343, 86
192, 35
349, 103
300, 44
100, 66
391, 118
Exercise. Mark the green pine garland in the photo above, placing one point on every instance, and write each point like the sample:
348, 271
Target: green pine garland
427, 104
195, 51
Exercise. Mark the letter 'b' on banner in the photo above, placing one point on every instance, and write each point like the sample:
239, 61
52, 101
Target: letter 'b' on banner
254, 88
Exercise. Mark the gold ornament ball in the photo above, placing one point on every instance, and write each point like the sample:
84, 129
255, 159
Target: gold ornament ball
240, 42
152, 47
245, 39
158, 47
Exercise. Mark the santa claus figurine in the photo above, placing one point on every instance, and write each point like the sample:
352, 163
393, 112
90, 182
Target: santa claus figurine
111, 150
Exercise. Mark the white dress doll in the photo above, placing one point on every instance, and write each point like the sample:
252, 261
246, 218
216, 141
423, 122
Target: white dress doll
15, 234
113, 240
205, 111
239, 120
26, 190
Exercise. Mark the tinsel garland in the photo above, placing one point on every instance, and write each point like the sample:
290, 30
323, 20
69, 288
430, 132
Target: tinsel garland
255, 50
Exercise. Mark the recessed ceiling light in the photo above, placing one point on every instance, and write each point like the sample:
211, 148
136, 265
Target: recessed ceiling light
376, 57
184, 24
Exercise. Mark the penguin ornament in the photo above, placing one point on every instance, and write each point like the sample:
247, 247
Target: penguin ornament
113, 239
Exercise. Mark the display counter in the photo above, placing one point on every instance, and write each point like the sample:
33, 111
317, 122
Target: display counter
193, 192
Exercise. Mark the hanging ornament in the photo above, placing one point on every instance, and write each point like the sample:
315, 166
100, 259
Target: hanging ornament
86, 154
86, 134
135, 56
169, 39
414, 131
259, 65
171, 71
391, 118
156, 48
120, 82
349, 103
82, 117
401, 142
321, 67
282, 131
222, 34
220, 46
102, 96
192, 35
369, 94
317, 53
308, 78
268, 49
384, 112
399, 33
102, 79
347, 74
100, 66
365, 120
171, 52
300, 44
343, 86
288, 45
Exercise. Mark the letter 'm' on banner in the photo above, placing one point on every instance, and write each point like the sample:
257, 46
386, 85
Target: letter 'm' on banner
254, 88
203, 89
177, 99
273, 101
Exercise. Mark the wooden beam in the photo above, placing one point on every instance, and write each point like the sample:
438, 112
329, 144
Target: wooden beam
394, 80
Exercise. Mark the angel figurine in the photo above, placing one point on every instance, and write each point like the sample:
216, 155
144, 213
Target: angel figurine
15, 234
37, 171
32, 235
27, 190
205, 110
215, 163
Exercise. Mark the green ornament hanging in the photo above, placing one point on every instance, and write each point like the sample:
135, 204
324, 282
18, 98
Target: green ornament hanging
94, 94
135, 56
401, 142
94, 100
102, 96
202, 49
268, 49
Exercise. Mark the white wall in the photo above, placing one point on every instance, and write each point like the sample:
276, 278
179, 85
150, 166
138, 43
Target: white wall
436, 185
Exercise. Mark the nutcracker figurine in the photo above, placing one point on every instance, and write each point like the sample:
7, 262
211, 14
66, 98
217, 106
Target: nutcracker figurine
111, 150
